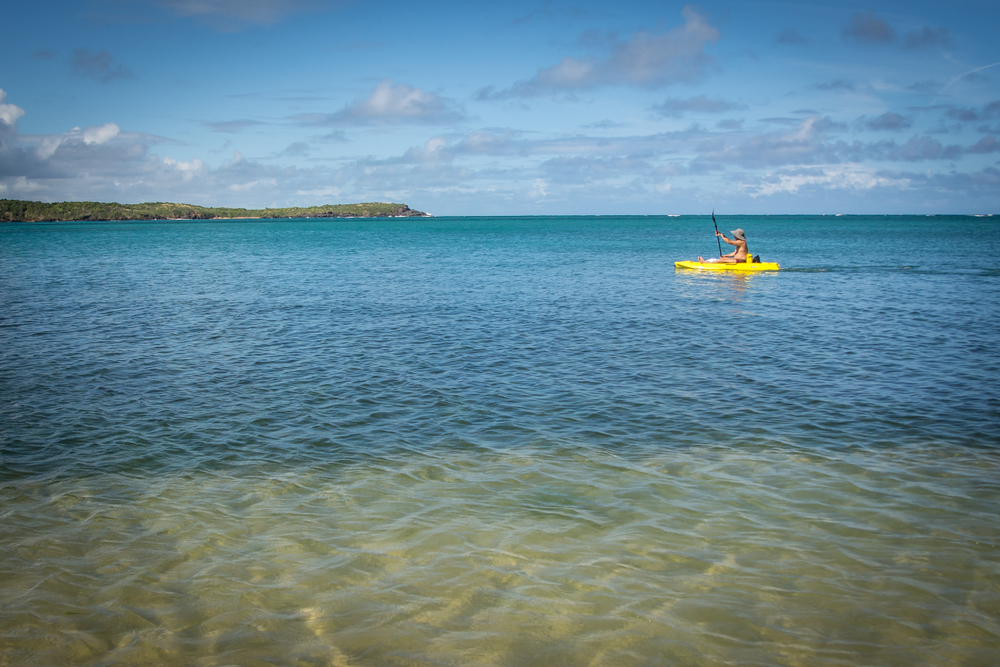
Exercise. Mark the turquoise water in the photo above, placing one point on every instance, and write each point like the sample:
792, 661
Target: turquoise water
499, 441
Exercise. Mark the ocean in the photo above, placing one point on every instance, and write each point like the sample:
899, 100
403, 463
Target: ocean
500, 442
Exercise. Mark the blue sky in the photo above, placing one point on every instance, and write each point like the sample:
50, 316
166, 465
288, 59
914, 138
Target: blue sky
508, 108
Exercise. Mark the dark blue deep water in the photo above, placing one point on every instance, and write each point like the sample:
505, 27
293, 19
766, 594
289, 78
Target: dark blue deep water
500, 441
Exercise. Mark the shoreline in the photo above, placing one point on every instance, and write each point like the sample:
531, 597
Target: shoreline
13, 210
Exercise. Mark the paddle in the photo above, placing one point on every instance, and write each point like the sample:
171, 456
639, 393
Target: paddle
717, 234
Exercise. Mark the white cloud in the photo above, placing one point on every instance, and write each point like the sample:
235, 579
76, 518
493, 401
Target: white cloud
835, 177
21, 187
48, 145
92, 136
651, 59
805, 145
540, 189
436, 149
9, 113
188, 170
490, 143
647, 59
102, 134
507, 171
401, 100
390, 104
251, 185
569, 73
104, 163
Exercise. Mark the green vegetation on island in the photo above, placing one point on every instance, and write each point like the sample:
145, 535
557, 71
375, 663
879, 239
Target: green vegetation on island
12, 210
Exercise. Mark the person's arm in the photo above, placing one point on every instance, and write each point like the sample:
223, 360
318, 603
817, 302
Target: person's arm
733, 253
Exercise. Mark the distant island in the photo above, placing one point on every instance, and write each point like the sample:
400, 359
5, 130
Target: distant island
12, 210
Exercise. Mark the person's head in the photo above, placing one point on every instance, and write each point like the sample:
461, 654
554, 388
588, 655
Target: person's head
738, 233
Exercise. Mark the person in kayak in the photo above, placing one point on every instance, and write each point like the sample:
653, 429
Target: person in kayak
736, 256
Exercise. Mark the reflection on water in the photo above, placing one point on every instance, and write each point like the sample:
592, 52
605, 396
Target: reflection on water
729, 285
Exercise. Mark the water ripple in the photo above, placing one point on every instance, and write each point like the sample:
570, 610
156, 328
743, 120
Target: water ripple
488, 442
744, 553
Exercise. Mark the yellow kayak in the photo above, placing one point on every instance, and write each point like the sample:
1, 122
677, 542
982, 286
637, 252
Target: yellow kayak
719, 266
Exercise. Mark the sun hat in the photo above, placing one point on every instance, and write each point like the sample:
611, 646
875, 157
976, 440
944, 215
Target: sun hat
738, 233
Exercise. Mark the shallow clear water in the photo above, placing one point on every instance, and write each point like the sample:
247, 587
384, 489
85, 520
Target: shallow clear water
509, 441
